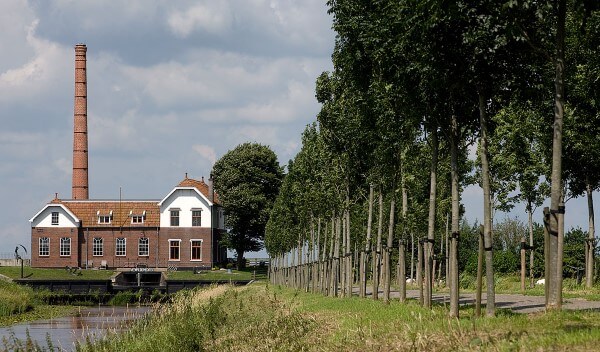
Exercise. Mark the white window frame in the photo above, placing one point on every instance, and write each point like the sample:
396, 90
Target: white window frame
98, 247
120, 247
65, 247
104, 219
45, 246
192, 249
137, 219
178, 241
55, 217
141, 245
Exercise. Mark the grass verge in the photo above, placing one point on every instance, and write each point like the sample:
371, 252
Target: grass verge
267, 318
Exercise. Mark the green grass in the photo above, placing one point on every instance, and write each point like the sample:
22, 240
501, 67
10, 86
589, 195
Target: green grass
14, 272
245, 274
266, 318
511, 284
14, 299
20, 303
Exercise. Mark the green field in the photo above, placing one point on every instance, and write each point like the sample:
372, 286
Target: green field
266, 318
14, 272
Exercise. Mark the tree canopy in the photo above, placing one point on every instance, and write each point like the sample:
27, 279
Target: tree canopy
247, 180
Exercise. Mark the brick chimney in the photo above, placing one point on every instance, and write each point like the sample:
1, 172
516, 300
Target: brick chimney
80, 138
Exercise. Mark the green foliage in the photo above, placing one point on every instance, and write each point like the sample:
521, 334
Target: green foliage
574, 254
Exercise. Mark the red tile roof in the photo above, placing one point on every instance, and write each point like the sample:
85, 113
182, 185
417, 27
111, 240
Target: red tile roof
87, 212
199, 185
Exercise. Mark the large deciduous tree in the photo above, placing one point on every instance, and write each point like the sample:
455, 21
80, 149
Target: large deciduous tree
247, 180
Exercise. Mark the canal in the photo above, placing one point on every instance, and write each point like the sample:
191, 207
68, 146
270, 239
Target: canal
90, 323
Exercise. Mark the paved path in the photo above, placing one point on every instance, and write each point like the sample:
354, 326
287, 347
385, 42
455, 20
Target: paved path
516, 302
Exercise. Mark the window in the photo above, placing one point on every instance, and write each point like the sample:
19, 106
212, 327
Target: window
104, 219
174, 217
196, 249
54, 218
44, 250
137, 219
174, 246
196, 217
143, 247
65, 246
98, 247
121, 247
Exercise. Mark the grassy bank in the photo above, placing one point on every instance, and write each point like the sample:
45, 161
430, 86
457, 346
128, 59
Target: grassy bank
265, 318
20, 303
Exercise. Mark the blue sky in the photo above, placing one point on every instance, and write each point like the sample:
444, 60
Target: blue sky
172, 86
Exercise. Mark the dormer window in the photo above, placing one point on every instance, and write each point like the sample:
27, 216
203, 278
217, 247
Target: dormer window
137, 218
104, 218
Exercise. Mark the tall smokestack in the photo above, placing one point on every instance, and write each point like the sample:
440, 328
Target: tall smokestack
80, 138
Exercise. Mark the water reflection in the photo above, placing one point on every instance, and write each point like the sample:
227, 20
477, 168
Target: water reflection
91, 323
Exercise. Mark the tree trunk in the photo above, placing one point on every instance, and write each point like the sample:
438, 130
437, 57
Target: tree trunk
523, 266
554, 286
428, 243
349, 271
331, 269
364, 256
402, 270
420, 270
479, 283
590, 243
240, 259
454, 138
487, 209
377, 256
531, 251
388, 250
336, 256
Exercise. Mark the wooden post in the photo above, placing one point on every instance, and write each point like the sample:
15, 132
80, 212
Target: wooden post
479, 283
420, 270
523, 268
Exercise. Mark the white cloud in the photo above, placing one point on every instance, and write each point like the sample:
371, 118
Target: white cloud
211, 16
40, 73
206, 152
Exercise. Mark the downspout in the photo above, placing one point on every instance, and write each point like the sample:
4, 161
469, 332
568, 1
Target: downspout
87, 246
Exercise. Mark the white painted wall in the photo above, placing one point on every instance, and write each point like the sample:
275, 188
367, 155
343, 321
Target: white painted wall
185, 200
44, 219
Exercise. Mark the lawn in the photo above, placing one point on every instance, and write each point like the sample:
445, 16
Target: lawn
220, 275
14, 272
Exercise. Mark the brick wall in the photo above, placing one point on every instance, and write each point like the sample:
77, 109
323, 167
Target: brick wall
185, 234
54, 260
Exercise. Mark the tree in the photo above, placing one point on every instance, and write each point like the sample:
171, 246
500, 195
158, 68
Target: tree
247, 180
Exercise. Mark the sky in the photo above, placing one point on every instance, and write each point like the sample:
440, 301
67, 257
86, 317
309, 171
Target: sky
172, 86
